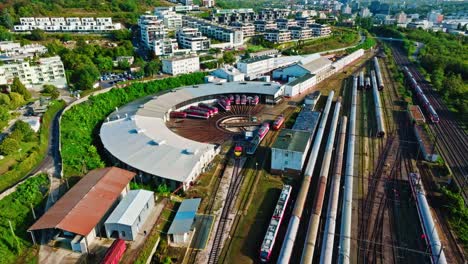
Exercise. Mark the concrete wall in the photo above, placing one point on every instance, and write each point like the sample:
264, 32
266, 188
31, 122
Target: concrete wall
284, 159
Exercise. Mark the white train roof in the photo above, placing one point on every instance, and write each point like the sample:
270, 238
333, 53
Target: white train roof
137, 134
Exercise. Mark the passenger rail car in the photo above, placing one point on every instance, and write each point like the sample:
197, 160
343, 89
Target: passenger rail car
275, 222
176, 114
422, 98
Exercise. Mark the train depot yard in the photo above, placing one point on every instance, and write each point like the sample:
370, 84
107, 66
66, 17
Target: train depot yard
323, 176
340, 171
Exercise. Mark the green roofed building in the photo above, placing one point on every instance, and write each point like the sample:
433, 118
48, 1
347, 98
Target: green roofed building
289, 151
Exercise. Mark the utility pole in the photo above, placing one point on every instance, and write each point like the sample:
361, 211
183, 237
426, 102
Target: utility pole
32, 210
13, 233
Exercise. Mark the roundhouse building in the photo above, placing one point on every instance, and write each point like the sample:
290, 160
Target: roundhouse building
136, 136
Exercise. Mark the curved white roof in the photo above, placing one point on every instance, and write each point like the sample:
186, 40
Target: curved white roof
137, 134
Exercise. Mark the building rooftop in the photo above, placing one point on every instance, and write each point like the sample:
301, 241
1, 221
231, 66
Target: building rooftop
86, 203
185, 216
137, 134
292, 140
128, 210
301, 79
177, 58
317, 64
307, 120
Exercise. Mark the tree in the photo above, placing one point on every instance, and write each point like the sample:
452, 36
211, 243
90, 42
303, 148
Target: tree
124, 65
4, 100
51, 90
85, 76
123, 34
104, 63
37, 35
6, 20
4, 116
152, 68
17, 100
18, 87
9, 146
229, 57
5, 34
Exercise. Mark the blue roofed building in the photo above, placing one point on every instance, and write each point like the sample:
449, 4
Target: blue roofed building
180, 230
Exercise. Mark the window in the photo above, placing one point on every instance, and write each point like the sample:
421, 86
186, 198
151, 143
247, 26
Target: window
123, 233
147, 206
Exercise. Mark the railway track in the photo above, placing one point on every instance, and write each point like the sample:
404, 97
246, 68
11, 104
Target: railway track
234, 187
451, 140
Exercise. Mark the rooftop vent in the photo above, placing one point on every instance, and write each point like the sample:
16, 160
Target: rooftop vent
243, 83
219, 84
139, 130
195, 86
156, 143
189, 151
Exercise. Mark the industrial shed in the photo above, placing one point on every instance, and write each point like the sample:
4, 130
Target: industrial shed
78, 217
130, 215
180, 230
289, 151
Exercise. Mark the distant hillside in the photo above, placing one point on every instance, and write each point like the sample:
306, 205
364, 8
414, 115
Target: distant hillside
127, 10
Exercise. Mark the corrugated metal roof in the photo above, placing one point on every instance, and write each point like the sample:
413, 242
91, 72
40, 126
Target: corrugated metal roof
84, 205
317, 65
307, 120
185, 216
130, 207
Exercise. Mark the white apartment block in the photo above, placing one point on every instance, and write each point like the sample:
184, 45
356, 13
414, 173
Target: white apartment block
255, 67
233, 36
191, 38
277, 35
151, 29
164, 47
319, 30
10, 48
181, 65
247, 29
301, 32
69, 24
284, 23
262, 25
34, 74
171, 19
304, 21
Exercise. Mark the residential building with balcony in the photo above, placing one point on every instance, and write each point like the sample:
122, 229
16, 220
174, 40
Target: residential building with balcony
319, 30
191, 38
225, 34
247, 29
300, 32
278, 35
73, 24
263, 25
284, 23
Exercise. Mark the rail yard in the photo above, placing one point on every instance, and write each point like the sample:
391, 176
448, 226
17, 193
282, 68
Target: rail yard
339, 172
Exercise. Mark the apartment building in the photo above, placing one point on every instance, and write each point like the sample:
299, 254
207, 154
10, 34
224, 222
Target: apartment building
247, 29
319, 30
222, 33
10, 48
34, 74
284, 23
191, 38
73, 24
165, 47
181, 65
228, 16
278, 35
263, 25
255, 67
151, 29
300, 32
170, 19
272, 14
304, 21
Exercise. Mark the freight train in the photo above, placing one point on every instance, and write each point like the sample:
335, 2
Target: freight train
361, 80
430, 111
115, 252
378, 107
425, 217
379, 74
275, 222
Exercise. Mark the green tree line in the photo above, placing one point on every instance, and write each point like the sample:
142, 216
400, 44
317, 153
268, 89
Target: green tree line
16, 208
79, 125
